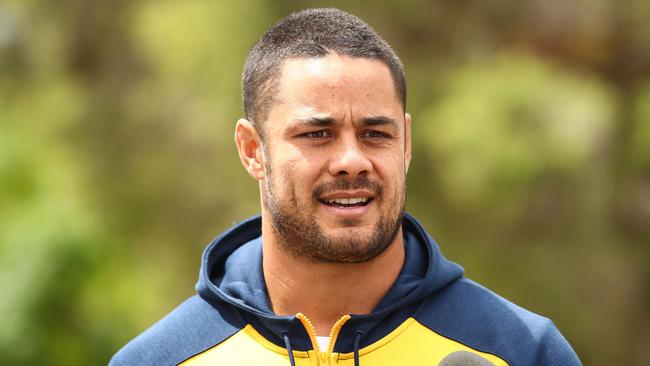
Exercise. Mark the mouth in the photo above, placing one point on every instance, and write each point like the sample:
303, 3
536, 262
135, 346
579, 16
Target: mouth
350, 206
347, 202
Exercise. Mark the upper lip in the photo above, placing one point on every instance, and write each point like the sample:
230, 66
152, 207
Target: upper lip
347, 194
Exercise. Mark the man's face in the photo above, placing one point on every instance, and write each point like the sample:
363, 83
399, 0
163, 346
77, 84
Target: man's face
336, 151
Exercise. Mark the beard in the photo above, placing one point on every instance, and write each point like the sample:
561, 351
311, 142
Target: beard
299, 232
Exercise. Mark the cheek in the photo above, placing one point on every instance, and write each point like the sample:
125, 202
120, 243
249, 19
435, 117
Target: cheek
391, 167
286, 179
299, 175
301, 168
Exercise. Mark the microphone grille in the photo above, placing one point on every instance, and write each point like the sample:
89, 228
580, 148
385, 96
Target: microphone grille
464, 358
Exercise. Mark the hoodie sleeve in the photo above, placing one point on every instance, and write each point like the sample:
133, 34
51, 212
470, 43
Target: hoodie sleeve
554, 349
189, 329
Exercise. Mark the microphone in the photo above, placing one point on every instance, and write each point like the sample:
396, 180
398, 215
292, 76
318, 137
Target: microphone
464, 358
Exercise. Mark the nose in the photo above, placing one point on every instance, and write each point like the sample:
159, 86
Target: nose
348, 159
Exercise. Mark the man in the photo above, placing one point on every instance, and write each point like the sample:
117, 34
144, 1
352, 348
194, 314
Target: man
334, 271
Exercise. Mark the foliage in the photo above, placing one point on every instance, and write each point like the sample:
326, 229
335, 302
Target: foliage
531, 159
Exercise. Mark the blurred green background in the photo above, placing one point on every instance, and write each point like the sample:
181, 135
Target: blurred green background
117, 164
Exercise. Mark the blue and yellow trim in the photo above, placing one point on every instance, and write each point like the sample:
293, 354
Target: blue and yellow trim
409, 344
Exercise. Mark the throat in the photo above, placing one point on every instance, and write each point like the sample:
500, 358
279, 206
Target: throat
326, 291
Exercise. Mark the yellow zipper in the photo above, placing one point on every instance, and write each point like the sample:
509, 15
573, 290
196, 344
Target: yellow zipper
336, 329
311, 331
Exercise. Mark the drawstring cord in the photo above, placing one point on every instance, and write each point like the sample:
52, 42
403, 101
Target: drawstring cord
287, 344
357, 339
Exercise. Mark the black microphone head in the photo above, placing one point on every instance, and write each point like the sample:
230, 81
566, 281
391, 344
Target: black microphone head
464, 358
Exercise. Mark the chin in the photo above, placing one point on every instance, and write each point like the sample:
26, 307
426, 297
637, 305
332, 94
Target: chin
350, 222
358, 233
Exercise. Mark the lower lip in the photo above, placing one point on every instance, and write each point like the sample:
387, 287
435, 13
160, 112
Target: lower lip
348, 212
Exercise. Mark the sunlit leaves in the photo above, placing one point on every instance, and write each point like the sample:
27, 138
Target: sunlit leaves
505, 123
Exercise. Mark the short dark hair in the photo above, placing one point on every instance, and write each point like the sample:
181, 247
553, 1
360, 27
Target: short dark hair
310, 33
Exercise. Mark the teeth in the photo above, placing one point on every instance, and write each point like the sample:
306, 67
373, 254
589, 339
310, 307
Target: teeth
348, 201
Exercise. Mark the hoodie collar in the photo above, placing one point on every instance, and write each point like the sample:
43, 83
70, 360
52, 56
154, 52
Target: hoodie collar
231, 272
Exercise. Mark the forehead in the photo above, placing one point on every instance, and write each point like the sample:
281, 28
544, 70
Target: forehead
337, 84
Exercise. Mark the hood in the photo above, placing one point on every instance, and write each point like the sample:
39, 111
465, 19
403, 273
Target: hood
231, 273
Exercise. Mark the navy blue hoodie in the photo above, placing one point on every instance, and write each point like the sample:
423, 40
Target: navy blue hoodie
432, 315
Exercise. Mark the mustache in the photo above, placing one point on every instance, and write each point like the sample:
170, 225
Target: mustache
344, 184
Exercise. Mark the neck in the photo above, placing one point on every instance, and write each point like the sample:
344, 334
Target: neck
326, 291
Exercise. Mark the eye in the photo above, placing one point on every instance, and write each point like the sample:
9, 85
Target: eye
320, 134
375, 134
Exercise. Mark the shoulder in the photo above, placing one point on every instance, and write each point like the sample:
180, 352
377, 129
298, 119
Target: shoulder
471, 314
191, 328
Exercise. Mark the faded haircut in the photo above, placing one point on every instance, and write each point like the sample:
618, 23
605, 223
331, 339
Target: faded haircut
310, 33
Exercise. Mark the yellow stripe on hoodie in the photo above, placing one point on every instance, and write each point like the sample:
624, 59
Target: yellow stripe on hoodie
410, 344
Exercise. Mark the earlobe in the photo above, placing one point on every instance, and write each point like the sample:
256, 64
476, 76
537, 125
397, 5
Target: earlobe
249, 147
407, 141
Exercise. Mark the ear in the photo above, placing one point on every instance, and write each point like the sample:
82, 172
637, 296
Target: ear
249, 146
407, 141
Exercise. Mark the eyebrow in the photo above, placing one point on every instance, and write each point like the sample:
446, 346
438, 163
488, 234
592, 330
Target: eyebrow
368, 121
316, 121
378, 121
